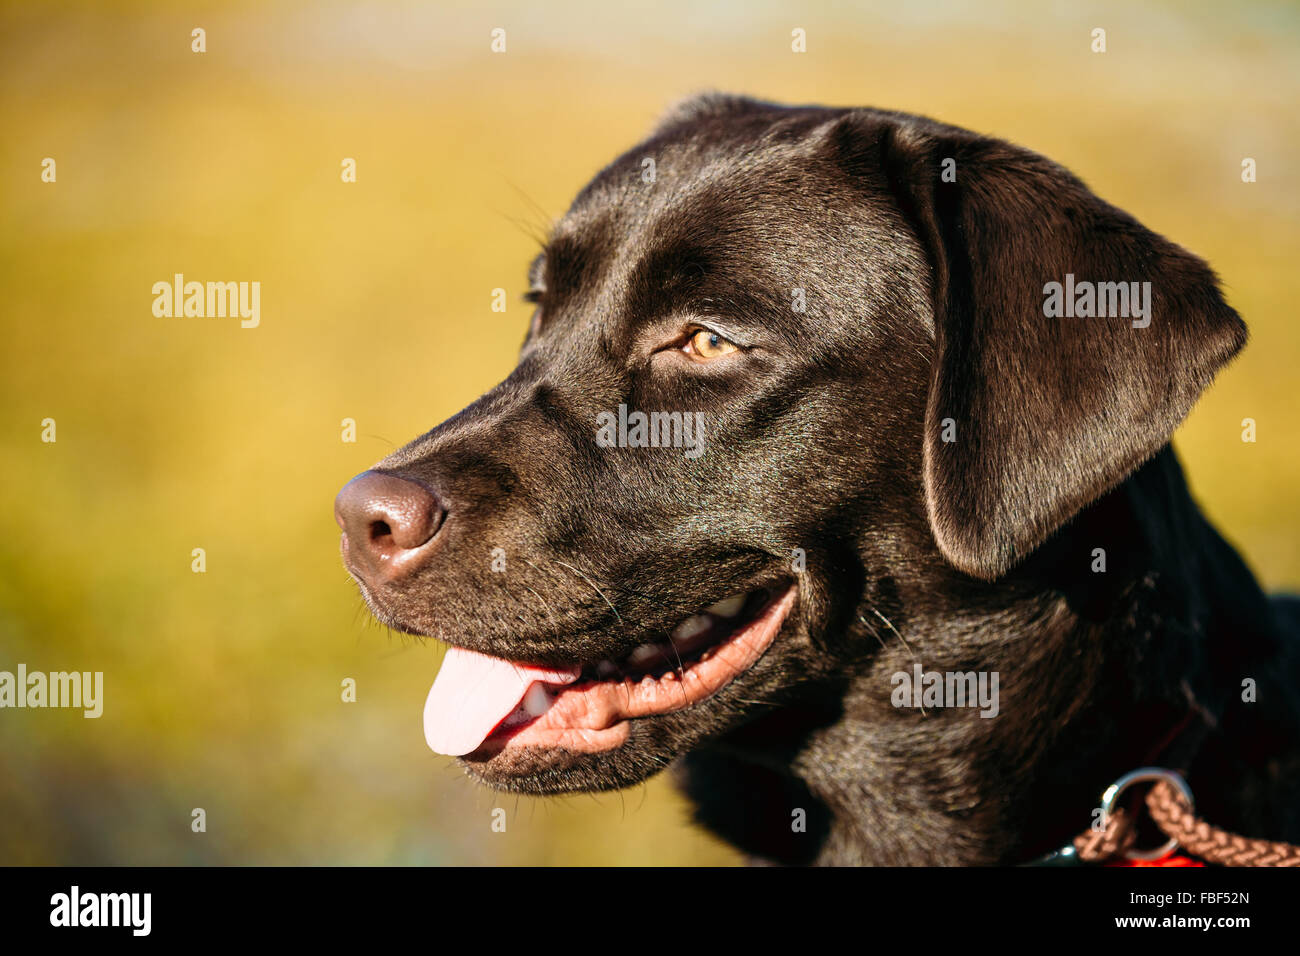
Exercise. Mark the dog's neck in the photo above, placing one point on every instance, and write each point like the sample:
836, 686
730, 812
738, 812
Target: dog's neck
1092, 681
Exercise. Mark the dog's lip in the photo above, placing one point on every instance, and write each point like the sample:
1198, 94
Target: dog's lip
591, 716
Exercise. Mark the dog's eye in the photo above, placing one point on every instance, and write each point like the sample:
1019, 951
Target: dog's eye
706, 344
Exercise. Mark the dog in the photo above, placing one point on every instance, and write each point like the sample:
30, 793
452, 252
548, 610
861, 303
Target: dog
915, 459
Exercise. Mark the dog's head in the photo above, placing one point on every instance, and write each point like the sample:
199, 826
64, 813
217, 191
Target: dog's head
781, 359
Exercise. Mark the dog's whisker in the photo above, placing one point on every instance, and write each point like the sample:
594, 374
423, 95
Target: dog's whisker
597, 589
890, 625
648, 598
874, 633
559, 580
545, 606
545, 221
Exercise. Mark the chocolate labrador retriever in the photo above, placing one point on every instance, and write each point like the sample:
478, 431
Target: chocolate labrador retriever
835, 473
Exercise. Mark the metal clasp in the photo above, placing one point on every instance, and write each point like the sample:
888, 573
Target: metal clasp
1142, 775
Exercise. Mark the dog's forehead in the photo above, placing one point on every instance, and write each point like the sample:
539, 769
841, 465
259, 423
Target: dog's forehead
736, 213
758, 157
763, 185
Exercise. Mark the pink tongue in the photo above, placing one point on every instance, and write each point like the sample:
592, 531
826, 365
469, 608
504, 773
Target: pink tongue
473, 693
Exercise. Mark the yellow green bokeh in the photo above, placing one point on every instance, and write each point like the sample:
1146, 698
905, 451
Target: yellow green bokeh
223, 688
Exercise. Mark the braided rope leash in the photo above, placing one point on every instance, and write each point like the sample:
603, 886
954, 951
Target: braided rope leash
1170, 805
1097, 846
1175, 816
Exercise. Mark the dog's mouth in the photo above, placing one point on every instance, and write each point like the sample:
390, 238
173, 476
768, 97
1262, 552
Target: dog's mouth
481, 705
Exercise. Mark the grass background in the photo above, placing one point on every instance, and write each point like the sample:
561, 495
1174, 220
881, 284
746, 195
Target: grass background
223, 688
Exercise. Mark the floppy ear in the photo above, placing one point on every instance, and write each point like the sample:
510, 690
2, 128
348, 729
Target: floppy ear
1040, 398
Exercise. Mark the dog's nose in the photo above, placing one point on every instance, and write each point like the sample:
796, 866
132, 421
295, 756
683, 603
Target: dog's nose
388, 523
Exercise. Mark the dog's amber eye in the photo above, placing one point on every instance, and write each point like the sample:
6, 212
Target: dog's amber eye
707, 344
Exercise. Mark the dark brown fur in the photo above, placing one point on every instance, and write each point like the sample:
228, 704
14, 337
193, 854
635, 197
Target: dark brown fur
924, 303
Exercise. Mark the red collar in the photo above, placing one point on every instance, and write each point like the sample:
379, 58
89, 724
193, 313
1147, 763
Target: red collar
1172, 859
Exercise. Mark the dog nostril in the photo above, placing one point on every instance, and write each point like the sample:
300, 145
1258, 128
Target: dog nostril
386, 522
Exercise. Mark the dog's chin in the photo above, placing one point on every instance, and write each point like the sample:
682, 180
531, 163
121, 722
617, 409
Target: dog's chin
616, 731
554, 770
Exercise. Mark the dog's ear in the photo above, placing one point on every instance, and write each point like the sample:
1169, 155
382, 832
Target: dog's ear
1038, 402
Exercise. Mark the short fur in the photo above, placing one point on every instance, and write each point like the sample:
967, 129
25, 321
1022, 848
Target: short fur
923, 303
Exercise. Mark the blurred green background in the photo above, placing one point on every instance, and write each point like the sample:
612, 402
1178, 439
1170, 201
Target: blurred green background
223, 688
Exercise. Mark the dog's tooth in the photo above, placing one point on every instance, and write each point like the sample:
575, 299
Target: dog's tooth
536, 702
693, 626
645, 654
606, 669
728, 607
